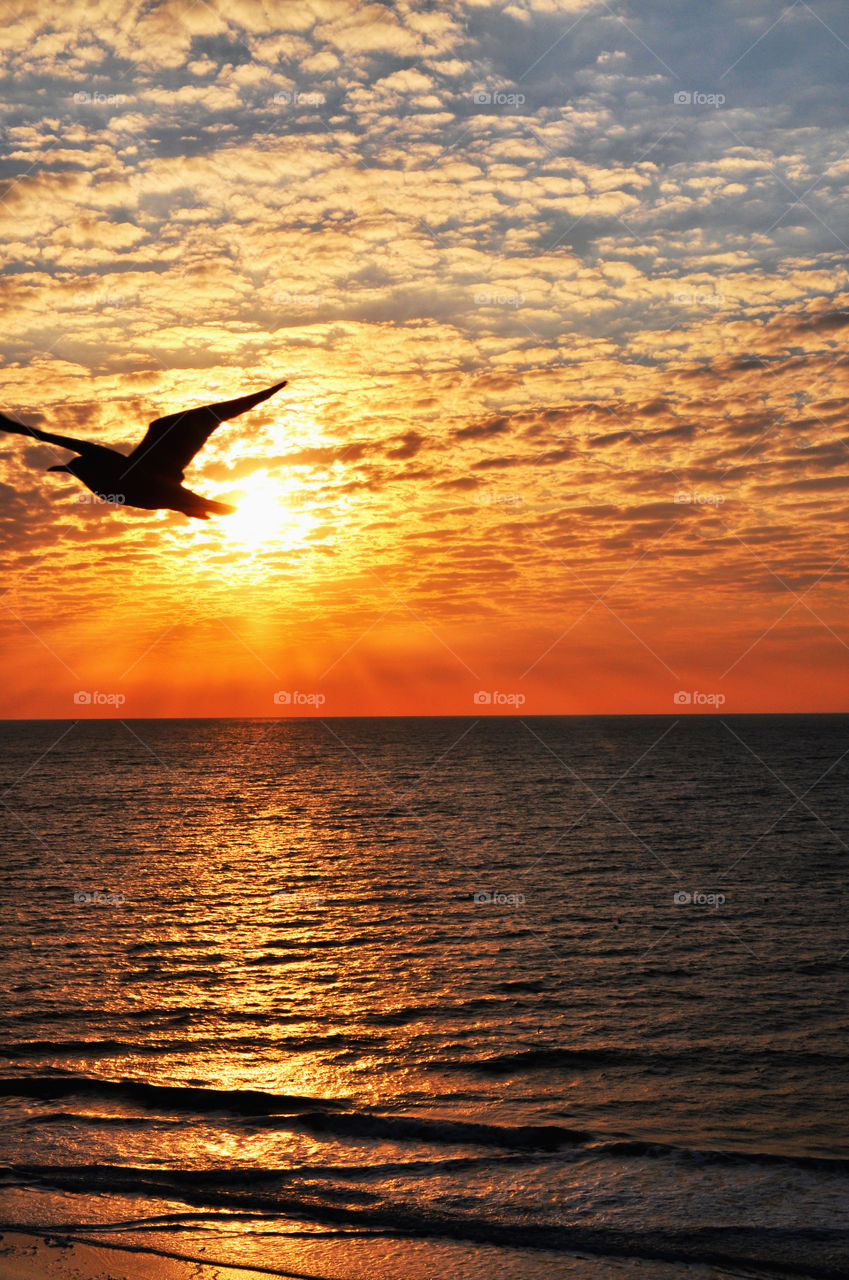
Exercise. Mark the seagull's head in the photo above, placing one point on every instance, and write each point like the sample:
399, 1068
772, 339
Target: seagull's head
80, 468
70, 468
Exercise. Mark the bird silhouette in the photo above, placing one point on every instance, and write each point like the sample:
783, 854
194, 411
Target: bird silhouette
151, 476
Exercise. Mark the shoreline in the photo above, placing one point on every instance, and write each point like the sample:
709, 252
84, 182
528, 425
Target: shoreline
55, 1256
29, 1255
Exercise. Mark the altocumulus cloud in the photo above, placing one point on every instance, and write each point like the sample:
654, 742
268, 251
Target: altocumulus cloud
581, 245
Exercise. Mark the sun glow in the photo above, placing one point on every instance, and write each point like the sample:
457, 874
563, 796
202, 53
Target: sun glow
267, 513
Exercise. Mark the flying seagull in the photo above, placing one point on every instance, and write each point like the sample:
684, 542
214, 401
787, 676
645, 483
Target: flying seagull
151, 476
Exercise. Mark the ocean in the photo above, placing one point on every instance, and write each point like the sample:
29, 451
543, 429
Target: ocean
498, 997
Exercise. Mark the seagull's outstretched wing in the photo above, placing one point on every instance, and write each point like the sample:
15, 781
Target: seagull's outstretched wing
172, 442
67, 442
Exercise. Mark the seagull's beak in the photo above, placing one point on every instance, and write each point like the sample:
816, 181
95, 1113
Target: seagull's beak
62, 468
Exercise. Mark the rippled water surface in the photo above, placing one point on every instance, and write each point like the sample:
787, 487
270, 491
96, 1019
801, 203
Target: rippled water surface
431, 997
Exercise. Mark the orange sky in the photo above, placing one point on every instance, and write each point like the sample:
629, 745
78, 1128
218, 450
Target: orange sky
566, 422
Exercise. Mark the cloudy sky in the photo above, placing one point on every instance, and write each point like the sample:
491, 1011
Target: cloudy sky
560, 289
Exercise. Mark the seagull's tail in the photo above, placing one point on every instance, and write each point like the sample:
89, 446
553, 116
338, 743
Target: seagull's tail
203, 508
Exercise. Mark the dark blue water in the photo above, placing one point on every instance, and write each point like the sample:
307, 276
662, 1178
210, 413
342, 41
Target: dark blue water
431, 997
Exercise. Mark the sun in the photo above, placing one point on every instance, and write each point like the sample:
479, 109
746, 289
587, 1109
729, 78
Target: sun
265, 514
